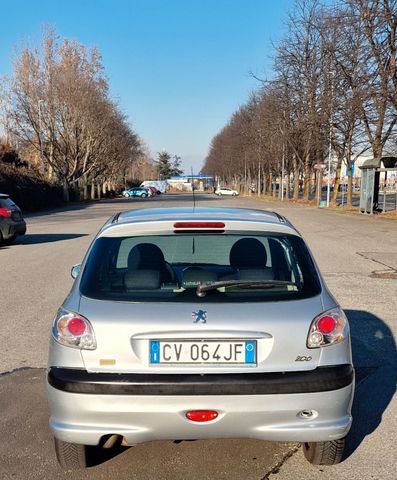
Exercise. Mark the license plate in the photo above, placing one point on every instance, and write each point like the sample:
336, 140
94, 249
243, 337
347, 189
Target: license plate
198, 352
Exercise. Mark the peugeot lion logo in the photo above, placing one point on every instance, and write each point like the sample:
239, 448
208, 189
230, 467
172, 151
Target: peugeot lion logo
199, 316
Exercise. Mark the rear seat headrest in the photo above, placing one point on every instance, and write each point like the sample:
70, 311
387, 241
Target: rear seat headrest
248, 253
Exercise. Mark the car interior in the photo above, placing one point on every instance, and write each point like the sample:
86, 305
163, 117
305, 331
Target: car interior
135, 265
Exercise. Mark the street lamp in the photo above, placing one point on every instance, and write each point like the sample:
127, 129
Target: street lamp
330, 138
283, 173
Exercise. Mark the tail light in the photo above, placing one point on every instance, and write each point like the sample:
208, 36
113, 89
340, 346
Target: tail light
329, 328
73, 330
5, 212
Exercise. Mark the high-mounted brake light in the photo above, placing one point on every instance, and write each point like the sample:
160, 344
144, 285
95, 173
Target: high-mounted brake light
201, 415
195, 225
73, 330
329, 328
5, 212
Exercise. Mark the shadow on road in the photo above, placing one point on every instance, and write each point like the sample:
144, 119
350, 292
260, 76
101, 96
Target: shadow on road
375, 361
35, 238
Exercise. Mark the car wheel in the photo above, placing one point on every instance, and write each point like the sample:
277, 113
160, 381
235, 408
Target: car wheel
324, 453
71, 456
11, 239
144, 195
234, 194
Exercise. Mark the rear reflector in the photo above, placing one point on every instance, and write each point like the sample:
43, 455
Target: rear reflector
76, 326
5, 212
326, 324
199, 225
201, 415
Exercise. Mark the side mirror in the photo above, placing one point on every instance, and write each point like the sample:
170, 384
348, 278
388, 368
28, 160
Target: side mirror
75, 270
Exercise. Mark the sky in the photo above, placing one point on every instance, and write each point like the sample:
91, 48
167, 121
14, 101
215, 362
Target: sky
178, 68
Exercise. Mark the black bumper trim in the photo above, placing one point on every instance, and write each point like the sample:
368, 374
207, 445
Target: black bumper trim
321, 379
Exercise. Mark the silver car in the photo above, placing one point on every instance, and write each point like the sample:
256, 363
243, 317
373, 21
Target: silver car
195, 324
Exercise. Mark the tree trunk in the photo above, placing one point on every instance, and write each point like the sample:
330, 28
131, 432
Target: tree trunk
65, 190
296, 178
85, 190
259, 179
99, 191
337, 179
264, 186
349, 185
92, 190
287, 180
306, 177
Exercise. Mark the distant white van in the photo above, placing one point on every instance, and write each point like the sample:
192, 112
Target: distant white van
161, 185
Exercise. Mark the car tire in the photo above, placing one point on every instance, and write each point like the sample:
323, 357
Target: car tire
144, 195
324, 453
234, 194
11, 239
71, 456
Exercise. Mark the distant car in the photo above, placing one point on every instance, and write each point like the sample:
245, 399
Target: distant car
11, 220
136, 192
226, 191
153, 191
161, 185
199, 324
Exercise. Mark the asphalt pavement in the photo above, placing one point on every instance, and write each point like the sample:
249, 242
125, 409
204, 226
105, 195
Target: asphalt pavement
358, 257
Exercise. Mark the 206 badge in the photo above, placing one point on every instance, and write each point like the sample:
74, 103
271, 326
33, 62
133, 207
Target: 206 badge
199, 316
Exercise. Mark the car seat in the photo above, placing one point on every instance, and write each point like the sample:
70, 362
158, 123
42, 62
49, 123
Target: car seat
149, 258
248, 257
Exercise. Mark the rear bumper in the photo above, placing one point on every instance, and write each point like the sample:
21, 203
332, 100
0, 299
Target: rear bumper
321, 379
86, 417
9, 228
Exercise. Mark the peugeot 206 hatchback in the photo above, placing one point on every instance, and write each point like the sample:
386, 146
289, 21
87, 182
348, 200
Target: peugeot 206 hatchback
195, 324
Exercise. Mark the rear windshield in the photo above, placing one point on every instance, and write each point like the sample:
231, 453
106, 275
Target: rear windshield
236, 268
6, 202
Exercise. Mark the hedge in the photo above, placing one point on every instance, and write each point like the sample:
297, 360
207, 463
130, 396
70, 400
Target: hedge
28, 189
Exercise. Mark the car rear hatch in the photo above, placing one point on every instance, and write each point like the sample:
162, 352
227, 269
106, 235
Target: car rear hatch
7, 204
201, 337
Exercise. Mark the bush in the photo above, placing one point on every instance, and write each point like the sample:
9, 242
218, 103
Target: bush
28, 189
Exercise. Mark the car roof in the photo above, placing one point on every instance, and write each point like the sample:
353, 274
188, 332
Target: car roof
239, 216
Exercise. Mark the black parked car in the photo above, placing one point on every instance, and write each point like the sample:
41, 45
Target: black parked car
11, 220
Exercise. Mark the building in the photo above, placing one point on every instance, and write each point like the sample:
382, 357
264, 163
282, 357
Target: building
185, 183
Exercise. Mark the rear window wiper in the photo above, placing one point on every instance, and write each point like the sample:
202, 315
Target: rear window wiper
203, 288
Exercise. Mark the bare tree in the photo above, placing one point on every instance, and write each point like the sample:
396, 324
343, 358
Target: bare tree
61, 108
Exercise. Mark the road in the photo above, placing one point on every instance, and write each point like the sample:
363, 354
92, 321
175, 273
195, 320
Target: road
358, 257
